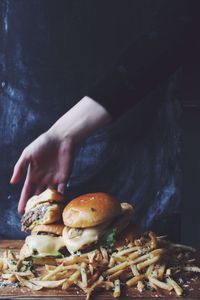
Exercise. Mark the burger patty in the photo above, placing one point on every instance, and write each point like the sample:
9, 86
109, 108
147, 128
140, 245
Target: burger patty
33, 215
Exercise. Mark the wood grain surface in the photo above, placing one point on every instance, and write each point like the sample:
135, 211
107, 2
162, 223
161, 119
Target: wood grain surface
192, 293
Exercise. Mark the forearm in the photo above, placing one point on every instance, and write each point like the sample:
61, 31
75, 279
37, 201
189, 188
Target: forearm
80, 121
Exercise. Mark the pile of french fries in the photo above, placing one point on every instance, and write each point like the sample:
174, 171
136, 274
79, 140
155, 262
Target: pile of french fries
147, 263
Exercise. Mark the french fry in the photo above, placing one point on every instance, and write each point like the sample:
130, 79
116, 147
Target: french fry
104, 253
136, 254
111, 262
153, 240
51, 284
84, 274
116, 274
91, 269
27, 283
80, 285
95, 284
160, 284
149, 270
117, 290
174, 284
117, 268
126, 251
141, 258
161, 271
71, 280
192, 269
49, 267
147, 262
140, 286
60, 268
134, 280
134, 270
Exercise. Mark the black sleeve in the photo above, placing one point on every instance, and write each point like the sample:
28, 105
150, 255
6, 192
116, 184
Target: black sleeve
148, 60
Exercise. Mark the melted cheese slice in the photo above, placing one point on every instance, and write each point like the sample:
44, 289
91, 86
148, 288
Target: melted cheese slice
44, 244
85, 237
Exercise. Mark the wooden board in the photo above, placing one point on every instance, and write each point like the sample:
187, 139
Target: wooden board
75, 294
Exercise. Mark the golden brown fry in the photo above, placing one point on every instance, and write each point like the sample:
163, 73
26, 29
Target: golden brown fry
71, 280
92, 288
148, 262
49, 267
161, 271
174, 284
84, 274
137, 254
104, 253
153, 240
51, 284
127, 251
160, 284
116, 274
117, 290
111, 262
117, 268
140, 286
149, 270
134, 270
134, 280
27, 283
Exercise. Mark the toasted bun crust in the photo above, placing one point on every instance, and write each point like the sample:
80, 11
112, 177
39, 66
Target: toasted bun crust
51, 228
90, 210
49, 195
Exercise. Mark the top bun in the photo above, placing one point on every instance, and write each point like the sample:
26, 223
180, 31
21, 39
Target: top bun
49, 195
90, 210
51, 228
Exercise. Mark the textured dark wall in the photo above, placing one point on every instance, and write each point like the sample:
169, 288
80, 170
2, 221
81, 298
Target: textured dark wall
44, 72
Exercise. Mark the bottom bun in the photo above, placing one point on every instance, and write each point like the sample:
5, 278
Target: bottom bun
50, 228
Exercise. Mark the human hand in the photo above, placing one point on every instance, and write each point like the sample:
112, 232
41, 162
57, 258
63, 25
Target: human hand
49, 158
47, 161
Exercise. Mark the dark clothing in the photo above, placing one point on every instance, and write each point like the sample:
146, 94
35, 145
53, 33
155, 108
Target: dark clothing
149, 59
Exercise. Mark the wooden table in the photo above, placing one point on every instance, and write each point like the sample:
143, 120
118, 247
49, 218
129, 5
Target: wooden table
76, 294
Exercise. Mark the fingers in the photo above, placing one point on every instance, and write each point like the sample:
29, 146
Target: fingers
61, 188
26, 192
20, 168
39, 190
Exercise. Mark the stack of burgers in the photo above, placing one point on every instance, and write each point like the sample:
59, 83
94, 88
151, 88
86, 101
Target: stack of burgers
87, 221
43, 217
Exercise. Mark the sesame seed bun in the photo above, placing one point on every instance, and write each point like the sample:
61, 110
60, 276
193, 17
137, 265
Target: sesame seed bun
90, 210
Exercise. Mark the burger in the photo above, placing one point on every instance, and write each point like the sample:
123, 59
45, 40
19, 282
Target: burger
44, 241
94, 218
45, 208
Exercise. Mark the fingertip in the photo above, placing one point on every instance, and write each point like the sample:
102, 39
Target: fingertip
20, 209
61, 188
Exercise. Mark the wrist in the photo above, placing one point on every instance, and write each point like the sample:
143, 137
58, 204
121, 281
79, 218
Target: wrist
80, 121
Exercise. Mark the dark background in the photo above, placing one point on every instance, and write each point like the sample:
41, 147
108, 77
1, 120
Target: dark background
31, 83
